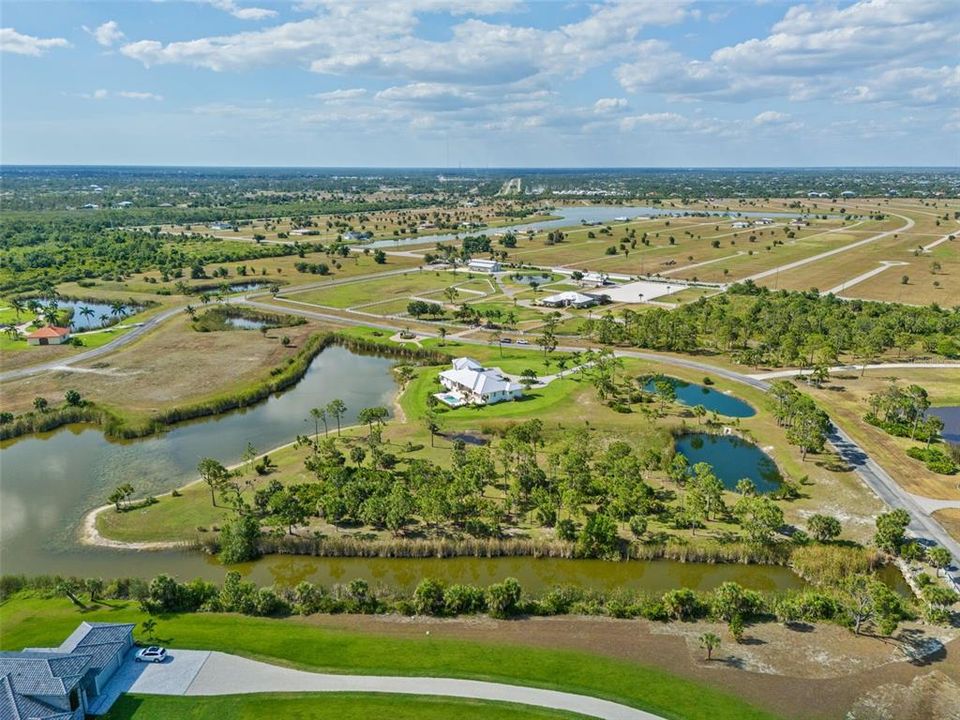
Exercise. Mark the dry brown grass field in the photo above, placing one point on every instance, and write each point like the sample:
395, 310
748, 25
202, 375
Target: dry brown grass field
170, 366
845, 398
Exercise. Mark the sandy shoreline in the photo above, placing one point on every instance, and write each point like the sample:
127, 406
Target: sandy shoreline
88, 534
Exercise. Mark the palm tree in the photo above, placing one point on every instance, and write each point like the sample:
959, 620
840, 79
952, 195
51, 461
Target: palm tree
700, 412
337, 408
118, 309
87, 312
709, 642
50, 314
497, 338
443, 334
319, 415
18, 306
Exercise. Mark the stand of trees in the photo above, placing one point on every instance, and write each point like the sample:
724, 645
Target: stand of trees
759, 326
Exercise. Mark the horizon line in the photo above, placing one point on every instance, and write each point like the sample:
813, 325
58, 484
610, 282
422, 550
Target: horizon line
463, 168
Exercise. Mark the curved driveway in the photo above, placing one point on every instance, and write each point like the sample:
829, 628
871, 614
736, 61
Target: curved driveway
202, 673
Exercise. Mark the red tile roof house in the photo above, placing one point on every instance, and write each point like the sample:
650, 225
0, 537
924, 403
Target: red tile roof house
49, 335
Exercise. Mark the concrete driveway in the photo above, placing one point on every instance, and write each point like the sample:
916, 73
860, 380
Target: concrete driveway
172, 677
197, 673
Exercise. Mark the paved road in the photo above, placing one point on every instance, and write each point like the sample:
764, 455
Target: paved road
124, 339
847, 284
848, 368
202, 673
830, 253
164, 316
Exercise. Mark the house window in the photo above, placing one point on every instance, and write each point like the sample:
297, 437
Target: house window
74, 699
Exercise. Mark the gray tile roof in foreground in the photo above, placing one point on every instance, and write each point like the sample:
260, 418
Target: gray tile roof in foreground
31, 674
101, 641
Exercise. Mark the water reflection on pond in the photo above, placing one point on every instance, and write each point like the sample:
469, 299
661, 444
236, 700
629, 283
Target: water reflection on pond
732, 459
692, 394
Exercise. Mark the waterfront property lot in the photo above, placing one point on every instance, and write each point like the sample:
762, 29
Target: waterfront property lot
300, 644
654, 666
845, 399
148, 375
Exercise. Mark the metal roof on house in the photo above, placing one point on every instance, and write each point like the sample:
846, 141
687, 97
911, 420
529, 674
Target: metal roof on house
465, 363
569, 297
481, 382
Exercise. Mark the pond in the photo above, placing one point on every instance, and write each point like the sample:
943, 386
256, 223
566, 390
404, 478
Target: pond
244, 323
51, 480
539, 279
951, 421
248, 286
732, 459
693, 394
101, 313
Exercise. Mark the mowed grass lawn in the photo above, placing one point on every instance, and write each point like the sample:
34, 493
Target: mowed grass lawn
381, 289
30, 621
325, 706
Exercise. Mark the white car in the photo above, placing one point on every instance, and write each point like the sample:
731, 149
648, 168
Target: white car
522, 342
152, 654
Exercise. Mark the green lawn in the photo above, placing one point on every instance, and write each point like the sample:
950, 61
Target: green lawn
325, 706
388, 288
30, 621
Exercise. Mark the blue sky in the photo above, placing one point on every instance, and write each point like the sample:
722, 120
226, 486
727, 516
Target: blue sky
481, 83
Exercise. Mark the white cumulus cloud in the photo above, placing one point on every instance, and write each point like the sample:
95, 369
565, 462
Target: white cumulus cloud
13, 42
106, 34
771, 117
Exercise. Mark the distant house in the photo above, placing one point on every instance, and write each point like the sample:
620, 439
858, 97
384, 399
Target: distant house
597, 279
63, 683
763, 221
740, 224
49, 335
469, 383
487, 266
574, 299
221, 226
